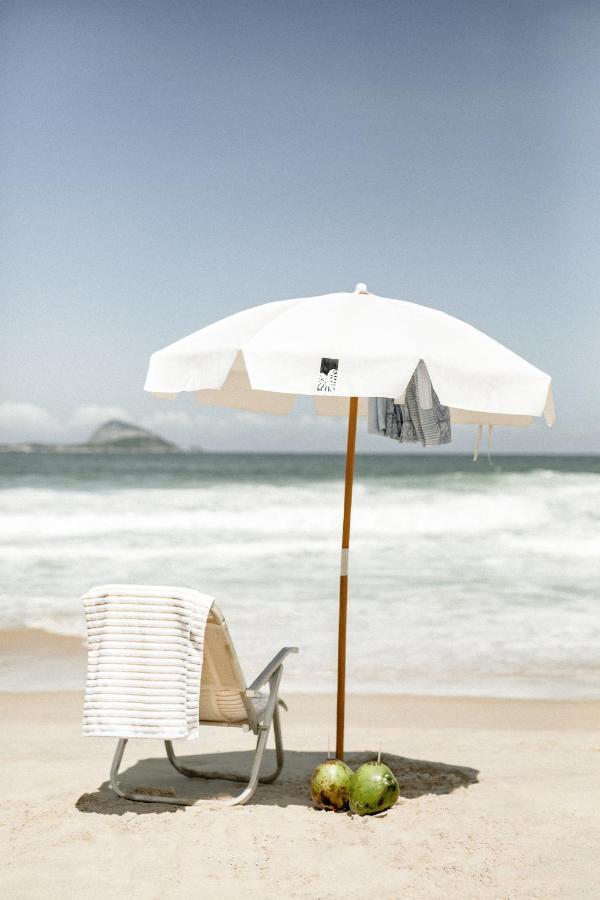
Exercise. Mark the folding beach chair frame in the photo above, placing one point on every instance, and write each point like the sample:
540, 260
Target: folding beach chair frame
260, 725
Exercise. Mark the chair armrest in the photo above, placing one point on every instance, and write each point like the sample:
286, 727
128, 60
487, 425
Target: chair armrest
271, 668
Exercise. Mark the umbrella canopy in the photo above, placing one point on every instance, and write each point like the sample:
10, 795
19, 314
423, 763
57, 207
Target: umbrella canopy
264, 357
341, 349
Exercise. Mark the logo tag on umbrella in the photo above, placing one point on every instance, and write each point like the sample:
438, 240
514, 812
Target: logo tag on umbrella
328, 375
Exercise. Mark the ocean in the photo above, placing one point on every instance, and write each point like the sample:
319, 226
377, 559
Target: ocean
464, 579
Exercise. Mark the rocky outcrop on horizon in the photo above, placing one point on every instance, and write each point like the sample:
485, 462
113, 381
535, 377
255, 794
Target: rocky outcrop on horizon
113, 436
124, 436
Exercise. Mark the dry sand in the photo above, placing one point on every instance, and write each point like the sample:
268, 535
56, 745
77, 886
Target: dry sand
499, 800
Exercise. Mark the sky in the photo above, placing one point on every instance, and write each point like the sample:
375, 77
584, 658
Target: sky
163, 164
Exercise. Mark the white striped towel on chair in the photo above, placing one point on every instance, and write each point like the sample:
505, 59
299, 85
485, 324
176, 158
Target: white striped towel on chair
145, 654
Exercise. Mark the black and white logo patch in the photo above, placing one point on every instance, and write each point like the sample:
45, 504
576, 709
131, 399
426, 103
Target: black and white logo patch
328, 375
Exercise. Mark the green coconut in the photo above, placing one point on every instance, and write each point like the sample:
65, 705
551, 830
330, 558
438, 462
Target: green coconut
373, 789
330, 785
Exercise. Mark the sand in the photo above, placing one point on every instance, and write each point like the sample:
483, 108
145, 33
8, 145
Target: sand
499, 800
32, 659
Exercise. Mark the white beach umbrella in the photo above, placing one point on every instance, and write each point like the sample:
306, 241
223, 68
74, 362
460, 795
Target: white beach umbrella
341, 349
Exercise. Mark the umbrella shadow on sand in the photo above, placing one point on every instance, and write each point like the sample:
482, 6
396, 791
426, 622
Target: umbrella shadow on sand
416, 777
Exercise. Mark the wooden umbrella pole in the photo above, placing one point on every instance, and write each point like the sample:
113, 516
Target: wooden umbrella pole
343, 611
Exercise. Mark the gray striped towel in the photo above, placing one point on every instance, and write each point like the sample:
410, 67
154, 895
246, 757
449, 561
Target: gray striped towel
145, 654
420, 418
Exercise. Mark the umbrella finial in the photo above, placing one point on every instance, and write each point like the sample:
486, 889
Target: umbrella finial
361, 288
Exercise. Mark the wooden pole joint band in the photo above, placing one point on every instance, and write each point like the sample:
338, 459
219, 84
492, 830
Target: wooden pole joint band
344, 561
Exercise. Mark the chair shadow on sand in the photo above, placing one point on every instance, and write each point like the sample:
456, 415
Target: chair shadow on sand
416, 777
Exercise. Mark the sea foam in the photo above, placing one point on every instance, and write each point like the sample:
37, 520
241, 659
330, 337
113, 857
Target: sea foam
467, 581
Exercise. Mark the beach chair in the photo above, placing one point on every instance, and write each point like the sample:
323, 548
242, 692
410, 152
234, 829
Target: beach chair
225, 700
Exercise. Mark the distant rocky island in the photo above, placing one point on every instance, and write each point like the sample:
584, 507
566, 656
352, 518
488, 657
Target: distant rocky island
113, 436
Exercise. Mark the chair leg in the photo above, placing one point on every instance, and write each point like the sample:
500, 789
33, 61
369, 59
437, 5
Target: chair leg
196, 773
243, 797
136, 796
271, 716
253, 780
233, 776
279, 752
248, 791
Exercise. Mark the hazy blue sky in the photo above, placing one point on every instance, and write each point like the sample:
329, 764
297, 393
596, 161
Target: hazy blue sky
167, 163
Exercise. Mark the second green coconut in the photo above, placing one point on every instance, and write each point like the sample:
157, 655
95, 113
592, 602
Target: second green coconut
373, 789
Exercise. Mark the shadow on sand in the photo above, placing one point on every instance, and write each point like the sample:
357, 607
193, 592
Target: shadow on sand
415, 777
